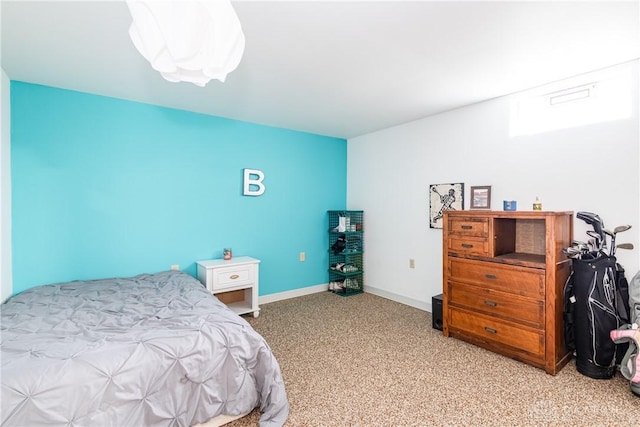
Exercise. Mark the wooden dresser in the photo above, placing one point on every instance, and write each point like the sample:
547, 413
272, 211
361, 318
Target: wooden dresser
504, 275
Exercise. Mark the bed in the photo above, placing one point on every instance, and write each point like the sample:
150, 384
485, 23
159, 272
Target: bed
150, 350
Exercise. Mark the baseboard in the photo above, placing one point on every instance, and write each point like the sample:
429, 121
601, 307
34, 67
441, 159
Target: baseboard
425, 306
266, 299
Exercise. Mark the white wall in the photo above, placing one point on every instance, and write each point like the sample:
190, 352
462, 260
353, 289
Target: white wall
5, 189
591, 168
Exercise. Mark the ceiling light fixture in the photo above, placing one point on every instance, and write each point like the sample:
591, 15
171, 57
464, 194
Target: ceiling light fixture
191, 41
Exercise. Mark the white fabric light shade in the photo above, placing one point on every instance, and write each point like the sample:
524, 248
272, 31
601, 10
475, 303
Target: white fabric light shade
190, 41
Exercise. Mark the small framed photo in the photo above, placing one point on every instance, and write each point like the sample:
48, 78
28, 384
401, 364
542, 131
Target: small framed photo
481, 197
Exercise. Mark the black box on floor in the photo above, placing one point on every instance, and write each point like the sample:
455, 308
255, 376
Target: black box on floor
436, 312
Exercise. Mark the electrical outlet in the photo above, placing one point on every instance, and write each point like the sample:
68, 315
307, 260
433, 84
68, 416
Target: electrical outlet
302, 256
175, 267
412, 263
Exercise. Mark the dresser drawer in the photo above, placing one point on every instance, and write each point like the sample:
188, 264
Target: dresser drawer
478, 227
469, 246
229, 277
523, 281
497, 331
495, 303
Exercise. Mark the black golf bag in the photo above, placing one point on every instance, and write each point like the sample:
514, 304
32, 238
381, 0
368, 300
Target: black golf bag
596, 301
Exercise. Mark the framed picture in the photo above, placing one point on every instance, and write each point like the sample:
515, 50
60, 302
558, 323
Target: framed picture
443, 197
481, 197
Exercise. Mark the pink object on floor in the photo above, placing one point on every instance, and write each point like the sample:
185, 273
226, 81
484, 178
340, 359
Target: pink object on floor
630, 365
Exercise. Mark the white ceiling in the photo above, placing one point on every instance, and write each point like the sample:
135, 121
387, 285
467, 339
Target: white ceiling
333, 68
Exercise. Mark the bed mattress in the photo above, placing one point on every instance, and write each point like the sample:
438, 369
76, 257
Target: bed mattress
152, 350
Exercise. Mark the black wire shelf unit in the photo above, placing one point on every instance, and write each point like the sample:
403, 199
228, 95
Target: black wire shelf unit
346, 252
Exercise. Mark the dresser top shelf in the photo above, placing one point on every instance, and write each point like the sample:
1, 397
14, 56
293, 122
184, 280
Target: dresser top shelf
510, 214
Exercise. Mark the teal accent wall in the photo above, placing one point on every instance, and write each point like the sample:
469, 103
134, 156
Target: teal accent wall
103, 187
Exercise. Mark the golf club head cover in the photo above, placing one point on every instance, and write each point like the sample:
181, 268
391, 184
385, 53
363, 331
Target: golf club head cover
630, 365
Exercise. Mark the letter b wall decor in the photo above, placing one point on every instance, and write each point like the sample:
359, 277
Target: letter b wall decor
252, 184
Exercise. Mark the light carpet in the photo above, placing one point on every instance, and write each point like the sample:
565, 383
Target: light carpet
364, 360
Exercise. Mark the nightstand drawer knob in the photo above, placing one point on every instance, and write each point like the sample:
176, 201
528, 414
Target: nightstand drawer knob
490, 303
234, 276
466, 227
491, 276
467, 246
490, 330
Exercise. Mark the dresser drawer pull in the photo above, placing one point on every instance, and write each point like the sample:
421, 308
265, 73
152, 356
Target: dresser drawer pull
233, 276
491, 276
490, 303
490, 330
467, 246
466, 227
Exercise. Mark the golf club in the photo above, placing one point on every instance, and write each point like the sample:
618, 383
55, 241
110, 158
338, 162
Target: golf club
612, 234
597, 239
628, 246
595, 221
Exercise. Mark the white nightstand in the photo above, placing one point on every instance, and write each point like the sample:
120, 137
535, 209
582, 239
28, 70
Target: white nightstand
230, 277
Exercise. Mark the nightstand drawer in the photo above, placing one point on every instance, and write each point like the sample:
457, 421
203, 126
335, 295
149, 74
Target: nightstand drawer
523, 281
229, 277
